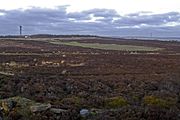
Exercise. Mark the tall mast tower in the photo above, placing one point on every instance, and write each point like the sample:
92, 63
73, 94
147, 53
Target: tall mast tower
20, 30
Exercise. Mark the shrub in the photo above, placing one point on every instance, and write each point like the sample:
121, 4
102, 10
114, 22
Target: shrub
152, 100
115, 102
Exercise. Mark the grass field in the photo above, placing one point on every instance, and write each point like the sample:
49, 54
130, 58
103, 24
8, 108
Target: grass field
108, 46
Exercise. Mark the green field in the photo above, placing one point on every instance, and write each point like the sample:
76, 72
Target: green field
108, 46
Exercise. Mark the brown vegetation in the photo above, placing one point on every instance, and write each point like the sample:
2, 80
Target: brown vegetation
110, 84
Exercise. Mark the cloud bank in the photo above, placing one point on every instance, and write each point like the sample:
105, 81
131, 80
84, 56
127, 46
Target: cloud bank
95, 22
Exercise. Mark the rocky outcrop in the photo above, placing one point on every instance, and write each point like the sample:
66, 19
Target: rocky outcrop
40, 107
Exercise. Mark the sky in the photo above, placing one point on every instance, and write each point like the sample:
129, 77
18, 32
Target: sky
160, 18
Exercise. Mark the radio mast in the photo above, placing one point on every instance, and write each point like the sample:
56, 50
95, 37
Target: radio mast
20, 30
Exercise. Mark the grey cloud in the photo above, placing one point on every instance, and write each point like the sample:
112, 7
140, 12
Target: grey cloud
108, 14
157, 19
103, 13
58, 21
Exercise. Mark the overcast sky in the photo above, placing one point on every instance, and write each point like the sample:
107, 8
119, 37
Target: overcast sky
96, 17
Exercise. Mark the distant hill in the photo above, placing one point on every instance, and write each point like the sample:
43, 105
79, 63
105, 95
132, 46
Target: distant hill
46, 36
154, 38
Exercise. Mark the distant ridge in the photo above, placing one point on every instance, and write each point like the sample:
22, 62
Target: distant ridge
93, 36
154, 38
46, 36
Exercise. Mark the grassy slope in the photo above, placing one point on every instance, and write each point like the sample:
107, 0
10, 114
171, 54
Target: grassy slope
108, 46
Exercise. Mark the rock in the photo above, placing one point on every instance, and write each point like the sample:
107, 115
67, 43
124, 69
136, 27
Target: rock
96, 111
22, 89
57, 111
62, 61
76, 65
84, 112
40, 108
64, 72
